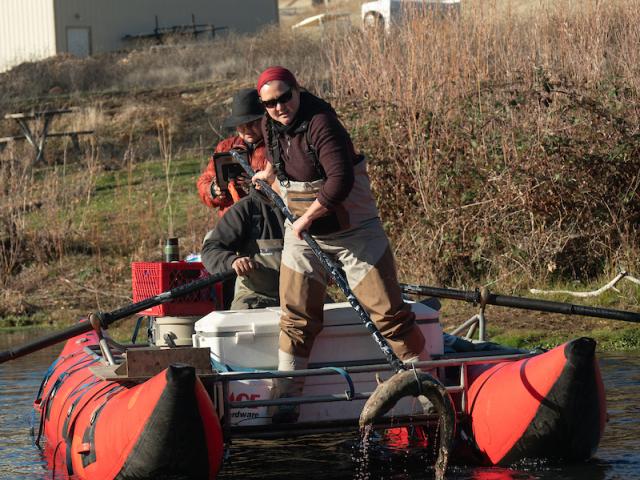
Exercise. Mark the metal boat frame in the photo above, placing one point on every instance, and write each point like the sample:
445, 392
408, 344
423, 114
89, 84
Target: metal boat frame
217, 383
458, 390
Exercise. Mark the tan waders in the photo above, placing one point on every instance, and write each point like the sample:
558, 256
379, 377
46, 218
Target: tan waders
364, 254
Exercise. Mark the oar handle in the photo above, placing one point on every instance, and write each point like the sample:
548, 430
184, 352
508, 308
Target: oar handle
523, 303
44, 342
330, 266
107, 318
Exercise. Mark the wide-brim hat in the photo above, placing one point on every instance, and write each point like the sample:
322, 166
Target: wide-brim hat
246, 107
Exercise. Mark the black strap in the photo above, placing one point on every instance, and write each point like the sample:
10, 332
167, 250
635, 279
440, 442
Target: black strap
62, 378
276, 154
311, 149
88, 437
274, 148
81, 391
46, 378
52, 369
110, 387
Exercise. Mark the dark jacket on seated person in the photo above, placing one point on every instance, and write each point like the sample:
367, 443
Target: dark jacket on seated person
252, 228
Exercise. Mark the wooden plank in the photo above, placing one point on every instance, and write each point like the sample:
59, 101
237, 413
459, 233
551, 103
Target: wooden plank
10, 139
54, 134
64, 134
151, 360
28, 134
142, 363
145, 362
106, 372
43, 138
44, 113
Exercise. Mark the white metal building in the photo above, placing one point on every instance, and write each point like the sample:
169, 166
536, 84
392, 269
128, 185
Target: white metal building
36, 29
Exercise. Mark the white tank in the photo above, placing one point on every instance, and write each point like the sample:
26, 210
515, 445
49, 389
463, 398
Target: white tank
179, 329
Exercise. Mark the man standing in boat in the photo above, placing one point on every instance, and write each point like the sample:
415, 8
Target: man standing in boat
248, 239
245, 118
325, 184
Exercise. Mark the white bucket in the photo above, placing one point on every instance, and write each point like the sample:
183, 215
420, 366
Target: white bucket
180, 329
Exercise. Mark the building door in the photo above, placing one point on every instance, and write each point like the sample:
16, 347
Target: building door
79, 41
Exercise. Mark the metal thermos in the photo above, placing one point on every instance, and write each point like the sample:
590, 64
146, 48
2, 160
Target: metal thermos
171, 250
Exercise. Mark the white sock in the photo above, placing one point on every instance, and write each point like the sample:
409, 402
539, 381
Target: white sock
291, 387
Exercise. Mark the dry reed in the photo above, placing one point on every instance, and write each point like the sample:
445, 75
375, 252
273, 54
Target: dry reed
504, 147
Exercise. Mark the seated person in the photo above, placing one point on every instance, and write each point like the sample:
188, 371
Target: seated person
248, 238
246, 115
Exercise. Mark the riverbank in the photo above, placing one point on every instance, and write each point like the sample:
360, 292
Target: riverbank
93, 273
510, 327
528, 329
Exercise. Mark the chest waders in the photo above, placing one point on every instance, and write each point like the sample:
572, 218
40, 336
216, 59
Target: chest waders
406, 381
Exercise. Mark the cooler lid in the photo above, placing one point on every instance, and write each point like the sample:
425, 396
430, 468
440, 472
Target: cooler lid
340, 314
267, 320
258, 321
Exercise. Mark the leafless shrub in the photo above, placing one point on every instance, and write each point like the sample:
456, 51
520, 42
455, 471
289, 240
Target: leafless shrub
166, 151
16, 189
502, 147
40, 209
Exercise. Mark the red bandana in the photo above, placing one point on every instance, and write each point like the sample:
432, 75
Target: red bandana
276, 73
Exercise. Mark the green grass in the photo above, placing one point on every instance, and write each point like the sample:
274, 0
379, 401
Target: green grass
527, 339
133, 204
618, 340
12, 323
146, 180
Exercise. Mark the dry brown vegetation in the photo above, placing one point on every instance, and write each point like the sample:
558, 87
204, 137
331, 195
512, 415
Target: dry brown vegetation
503, 146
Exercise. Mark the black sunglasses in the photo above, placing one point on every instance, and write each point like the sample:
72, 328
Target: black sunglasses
282, 99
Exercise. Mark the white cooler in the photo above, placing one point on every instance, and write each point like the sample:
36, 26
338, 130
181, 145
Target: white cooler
249, 339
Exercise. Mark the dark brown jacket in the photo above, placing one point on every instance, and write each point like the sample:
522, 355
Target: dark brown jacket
332, 144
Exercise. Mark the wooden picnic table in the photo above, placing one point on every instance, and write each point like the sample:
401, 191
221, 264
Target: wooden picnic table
37, 137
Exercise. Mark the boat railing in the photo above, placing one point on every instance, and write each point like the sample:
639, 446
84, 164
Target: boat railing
477, 321
222, 380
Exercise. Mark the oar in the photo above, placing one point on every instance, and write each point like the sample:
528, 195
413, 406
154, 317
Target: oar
484, 296
107, 318
331, 267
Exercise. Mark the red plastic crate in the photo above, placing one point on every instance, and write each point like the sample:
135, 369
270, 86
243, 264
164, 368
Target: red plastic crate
151, 278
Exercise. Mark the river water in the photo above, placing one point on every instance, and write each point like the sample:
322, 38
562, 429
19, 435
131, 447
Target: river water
334, 456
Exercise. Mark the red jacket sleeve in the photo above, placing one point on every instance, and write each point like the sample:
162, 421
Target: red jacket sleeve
209, 176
